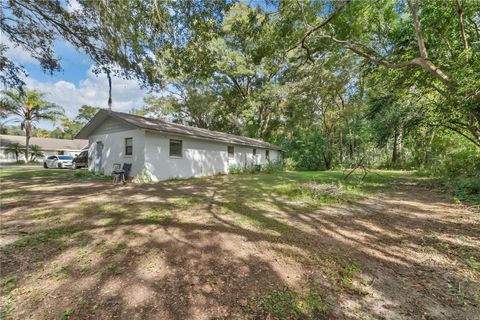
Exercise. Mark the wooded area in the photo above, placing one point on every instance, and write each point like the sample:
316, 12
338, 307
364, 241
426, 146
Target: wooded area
392, 84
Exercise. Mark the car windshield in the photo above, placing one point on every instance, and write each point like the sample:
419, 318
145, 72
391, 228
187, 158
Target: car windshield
65, 157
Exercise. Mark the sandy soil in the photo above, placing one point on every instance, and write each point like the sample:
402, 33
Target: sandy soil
216, 248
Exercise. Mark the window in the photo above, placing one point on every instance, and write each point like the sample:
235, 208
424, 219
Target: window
231, 152
65, 157
175, 148
267, 155
254, 152
128, 146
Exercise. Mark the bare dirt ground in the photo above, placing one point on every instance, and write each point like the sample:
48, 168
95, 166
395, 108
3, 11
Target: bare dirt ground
233, 247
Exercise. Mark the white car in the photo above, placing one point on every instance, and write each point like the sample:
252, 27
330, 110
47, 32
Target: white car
59, 162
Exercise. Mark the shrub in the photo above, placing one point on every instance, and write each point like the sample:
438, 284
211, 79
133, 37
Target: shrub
234, 169
466, 189
271, 166
89, 175
465, 162
289, 164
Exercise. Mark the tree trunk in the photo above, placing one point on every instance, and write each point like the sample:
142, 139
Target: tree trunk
109, 90
428, 148
341, 147
28, 133
459, 6
397, 146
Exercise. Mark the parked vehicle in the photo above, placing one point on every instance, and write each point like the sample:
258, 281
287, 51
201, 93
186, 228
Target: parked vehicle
58, 162
81, 160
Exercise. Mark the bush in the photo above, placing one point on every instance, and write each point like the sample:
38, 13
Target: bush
234, 169
465, 162
289, 164
272, 166
466, 189
89, 175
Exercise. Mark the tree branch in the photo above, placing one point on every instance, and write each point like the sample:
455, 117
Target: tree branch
459, 6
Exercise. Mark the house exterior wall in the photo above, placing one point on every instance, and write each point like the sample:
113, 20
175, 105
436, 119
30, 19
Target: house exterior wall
112, 134
151, 153
10, 158
199, 157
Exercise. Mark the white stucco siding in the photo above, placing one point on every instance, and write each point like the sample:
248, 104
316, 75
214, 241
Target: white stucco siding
151, 153
113, 134
199, 157
8, 158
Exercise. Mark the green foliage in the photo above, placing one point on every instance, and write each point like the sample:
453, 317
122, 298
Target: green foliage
336, 83
285, 304
9, 283
289, 164
462, 162
272, 166
15, 148
29, 107
473, 263
305, 149
234, 169
89, 175
347, 273
67, 313
466, 189
269, 167
36, 152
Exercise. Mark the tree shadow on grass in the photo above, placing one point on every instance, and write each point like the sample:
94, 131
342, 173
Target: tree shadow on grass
211, 249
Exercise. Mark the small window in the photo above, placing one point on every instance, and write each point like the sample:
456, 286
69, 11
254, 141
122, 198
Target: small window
254, 152
267, 154
231, 152
128, 146
175, 148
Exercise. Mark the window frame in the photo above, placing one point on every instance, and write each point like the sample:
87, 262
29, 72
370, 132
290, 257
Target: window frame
254, 151
231, 153
170, 148
267, 155
128, 146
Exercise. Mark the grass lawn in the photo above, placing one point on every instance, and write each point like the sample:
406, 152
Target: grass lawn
288, 245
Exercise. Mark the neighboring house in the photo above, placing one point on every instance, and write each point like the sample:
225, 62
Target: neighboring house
160, 150
49, 146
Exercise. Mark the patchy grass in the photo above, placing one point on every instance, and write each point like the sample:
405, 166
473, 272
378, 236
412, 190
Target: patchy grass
285, 303
9, 283
286, 245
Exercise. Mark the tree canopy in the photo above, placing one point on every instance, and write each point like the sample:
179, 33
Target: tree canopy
334, 82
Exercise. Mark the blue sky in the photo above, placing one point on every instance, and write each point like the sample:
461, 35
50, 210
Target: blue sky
76, 84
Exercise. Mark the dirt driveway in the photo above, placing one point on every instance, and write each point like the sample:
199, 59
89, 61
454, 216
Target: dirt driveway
241, 247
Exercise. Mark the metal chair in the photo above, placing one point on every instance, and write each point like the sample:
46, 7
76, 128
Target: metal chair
120, 176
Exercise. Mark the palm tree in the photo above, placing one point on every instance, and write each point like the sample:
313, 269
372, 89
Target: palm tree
29, 107
36, 152
14, 148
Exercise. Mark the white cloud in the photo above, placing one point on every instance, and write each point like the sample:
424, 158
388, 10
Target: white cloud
73, 5
17, 53
93, 91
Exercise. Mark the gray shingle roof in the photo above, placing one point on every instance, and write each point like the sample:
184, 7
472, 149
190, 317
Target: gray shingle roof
45, 143
175, 128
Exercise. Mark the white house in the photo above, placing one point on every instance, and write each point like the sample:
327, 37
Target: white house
50, 146
160, 150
